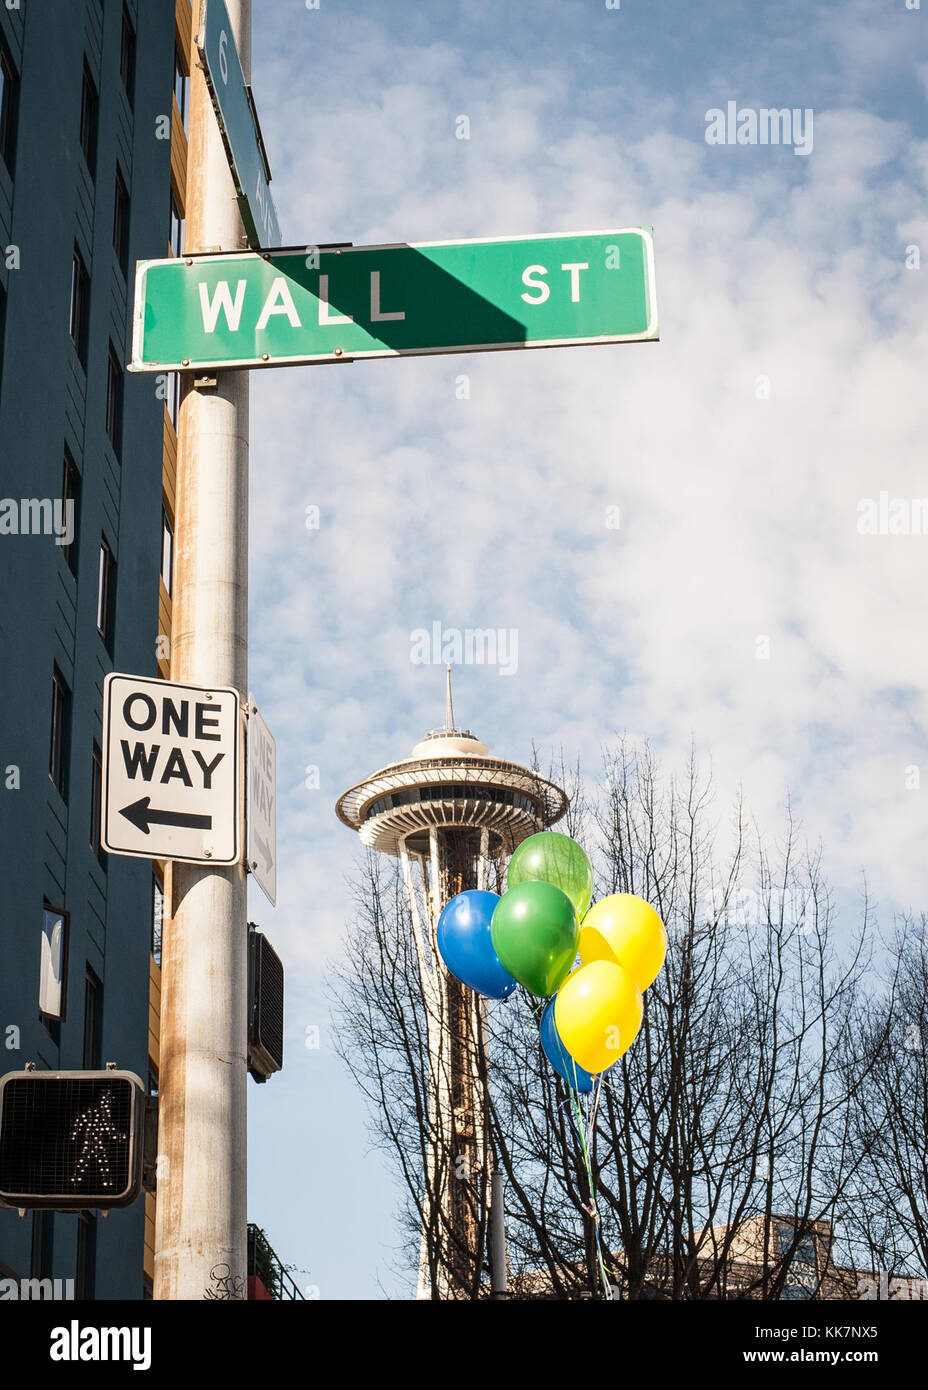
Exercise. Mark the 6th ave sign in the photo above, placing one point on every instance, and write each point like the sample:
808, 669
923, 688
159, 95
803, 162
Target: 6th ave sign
238, 124
254, 309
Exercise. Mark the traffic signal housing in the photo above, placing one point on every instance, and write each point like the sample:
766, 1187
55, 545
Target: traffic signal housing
71, 1140
265, 1007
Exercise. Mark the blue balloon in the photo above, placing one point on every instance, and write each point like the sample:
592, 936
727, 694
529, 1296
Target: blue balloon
560, 1059
466, 945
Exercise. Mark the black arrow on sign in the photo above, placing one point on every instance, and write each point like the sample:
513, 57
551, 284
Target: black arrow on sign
142, 817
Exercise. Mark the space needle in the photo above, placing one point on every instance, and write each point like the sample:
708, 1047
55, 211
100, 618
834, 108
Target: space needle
452, 814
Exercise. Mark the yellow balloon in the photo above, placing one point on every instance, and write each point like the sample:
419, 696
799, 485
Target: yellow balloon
598, 1013
625, 929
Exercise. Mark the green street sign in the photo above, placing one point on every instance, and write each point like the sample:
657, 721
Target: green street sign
238, 122
338, 303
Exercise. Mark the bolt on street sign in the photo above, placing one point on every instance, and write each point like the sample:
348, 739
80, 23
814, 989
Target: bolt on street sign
238, 124
261, 854
322, 305
172, 784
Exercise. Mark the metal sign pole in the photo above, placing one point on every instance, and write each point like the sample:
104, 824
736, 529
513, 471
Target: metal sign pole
201, 1214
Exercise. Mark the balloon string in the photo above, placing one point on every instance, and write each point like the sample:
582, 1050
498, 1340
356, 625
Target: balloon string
585, 1136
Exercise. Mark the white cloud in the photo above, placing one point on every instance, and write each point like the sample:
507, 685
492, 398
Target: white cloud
739, 515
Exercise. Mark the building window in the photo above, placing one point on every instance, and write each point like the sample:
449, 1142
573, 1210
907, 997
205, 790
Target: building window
802, 1275
121, 223
127, 54
173, 397
114, 401
43, 1228
80, 298
84, 1283
2, 328
70, 507
90, 106
177, 228
8, 95
157, 913
93, 1020
61, 723
167, 549
96, 804
106, 590
181, 86
805, 1251
53, 964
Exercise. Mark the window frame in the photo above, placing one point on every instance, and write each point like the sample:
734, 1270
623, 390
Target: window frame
96, 805
71, 474
172, 399
52, 1020
90, 120
9, 100
114, 390
79, 309
182, 72
157, 929
178, 228
167, 531
92, 1030
121, 205
42, 1244
2, 329
85, 1256
59, 749
127, 45
106, 593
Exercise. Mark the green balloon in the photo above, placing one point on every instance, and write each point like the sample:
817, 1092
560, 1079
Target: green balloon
535, 934
557, 859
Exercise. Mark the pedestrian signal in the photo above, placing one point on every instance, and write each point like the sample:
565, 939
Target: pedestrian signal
71, 1140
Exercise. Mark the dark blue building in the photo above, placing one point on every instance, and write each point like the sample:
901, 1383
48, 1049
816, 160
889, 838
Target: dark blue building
87, 97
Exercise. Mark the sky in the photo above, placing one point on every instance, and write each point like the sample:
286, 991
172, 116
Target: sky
687, 537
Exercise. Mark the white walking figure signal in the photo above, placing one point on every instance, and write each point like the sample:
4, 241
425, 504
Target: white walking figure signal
95, 1131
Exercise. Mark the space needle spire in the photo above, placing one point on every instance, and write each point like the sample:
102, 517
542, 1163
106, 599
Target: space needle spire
449, 704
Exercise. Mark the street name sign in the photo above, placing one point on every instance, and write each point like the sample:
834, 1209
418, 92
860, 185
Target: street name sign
339, 303
238, 124
262, 803
172, 785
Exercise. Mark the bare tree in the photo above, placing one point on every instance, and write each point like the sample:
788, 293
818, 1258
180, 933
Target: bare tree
722, 1144
889, 1217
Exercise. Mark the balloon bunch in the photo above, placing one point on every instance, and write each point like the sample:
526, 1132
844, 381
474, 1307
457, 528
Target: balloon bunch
533, 934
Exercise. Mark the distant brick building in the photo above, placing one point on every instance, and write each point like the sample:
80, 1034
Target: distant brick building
791, 1264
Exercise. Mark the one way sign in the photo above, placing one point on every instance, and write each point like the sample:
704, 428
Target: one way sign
172, 783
